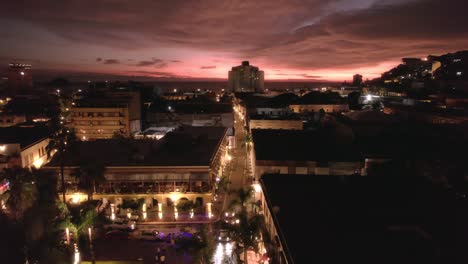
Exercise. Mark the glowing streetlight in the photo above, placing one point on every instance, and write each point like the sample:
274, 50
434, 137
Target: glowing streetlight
90, 234
208, 209
129, 215
76, 259
160, 213
67, 235
191, 213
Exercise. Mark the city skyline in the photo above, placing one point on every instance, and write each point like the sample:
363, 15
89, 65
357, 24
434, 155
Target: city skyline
310, 40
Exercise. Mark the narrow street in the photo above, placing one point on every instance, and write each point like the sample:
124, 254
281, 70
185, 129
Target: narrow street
237, 175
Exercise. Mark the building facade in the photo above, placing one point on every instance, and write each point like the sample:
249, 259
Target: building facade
23, 145
291, 124
100, 118
246, 78
184, 164
312, 108
7, 120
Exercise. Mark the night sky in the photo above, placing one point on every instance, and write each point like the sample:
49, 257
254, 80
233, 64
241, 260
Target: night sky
288, 39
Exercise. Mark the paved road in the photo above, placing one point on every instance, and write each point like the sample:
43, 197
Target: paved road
133, 250
237, 175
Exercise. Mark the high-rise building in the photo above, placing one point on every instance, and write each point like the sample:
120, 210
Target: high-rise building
19, 78
357, 80
246, 78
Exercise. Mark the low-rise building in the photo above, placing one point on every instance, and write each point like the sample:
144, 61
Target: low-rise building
332, 219
303, 152
275, 122
328, 108
24, 145
183, 164
7, 120
192, 114
99, 117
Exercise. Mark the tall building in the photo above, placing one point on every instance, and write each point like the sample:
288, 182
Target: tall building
246, 78
357, 80
19, 78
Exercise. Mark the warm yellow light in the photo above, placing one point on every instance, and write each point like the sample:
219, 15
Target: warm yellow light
208, 209
257, 187
175, 197
77, 198
2, 148
145, 215
76, 255
67, 233
38, 163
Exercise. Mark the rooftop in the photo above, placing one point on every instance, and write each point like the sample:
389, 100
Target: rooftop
105, 100
355, 219
290, 116
186, 146
196, 108
24, 134
301, 145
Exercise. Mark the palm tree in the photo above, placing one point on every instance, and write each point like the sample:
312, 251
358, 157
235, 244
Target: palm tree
22, 190
89, 176
243, 197
248, 231
60, 140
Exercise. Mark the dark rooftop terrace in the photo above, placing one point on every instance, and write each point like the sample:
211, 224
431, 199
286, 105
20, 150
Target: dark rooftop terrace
24, 134
301, 145
187, 146
355, 219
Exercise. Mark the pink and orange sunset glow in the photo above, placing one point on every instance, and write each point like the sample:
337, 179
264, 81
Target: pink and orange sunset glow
303, 40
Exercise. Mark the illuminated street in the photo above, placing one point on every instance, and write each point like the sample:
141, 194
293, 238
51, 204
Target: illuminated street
224, 254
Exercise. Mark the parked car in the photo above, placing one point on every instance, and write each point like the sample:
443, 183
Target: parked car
117, 234
150, 235
121, 224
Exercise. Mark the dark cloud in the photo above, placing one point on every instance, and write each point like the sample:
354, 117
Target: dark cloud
98, 59
145, 63
207, 67
303, 75
296, 34
111, 61
157, 74
157, 63
176, 61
